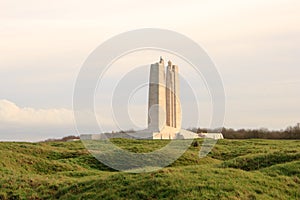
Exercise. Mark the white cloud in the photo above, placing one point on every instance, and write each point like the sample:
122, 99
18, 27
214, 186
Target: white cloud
10, 113
31, 124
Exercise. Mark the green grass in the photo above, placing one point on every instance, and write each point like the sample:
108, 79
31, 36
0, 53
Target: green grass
235, 169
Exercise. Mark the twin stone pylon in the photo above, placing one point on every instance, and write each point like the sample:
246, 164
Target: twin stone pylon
164, 110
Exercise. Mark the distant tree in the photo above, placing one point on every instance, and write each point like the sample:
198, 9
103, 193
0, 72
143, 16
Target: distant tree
263, 130
70, 137
64, 139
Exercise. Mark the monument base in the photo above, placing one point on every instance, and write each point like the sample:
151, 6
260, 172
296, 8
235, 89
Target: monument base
168, 133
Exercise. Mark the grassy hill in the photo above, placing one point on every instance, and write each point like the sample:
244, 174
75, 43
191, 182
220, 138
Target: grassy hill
235, 169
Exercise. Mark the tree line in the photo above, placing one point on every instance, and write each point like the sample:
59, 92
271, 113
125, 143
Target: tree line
291, 132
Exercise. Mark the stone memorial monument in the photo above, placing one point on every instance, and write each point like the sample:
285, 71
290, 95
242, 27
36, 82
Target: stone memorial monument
164, 110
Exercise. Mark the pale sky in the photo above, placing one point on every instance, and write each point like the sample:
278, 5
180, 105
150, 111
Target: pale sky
255, 45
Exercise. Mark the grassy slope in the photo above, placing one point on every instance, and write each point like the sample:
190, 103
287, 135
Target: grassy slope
235, 169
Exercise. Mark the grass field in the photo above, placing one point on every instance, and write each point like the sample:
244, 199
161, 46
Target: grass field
235, 169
